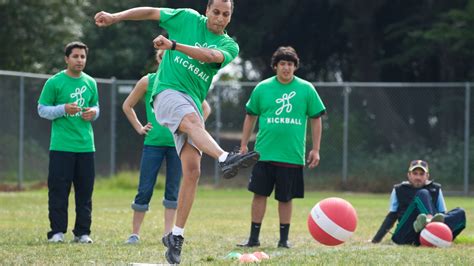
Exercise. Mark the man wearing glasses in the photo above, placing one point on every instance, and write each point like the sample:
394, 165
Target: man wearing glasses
415, 203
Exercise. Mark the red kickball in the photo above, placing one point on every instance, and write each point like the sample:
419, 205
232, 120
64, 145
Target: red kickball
436, 234
332, 221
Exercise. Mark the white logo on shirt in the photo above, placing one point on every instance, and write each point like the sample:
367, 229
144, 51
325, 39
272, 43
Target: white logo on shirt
285, 101
191, 68
78, 96
205, 45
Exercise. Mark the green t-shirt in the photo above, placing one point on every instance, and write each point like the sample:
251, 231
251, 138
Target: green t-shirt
180, 72
158, 135
283, 110
71, 133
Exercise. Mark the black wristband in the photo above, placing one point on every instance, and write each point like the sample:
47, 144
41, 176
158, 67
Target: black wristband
173, 44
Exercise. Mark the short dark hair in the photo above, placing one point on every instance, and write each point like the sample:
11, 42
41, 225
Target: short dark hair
72, 45
210, 2
286, 53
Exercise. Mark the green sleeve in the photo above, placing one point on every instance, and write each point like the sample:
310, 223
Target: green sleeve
173, 20
253, 107
230, 50
48, 95
95, 98
316, 107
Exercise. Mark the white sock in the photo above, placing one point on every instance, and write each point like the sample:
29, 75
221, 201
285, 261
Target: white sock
223, 157
177, 231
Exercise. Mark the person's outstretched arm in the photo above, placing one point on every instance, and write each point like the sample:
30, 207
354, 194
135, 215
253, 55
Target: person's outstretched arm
135, 96
104, 19
387, 224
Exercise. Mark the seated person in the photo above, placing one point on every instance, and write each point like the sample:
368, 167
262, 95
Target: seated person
415, 203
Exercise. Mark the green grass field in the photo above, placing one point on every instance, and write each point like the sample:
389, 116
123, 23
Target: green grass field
219, 220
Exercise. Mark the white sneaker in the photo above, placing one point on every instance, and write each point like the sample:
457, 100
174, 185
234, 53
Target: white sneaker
133, 239
57, 238
84, 239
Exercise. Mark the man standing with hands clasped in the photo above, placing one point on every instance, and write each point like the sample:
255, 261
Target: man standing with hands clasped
70, 100
197, 48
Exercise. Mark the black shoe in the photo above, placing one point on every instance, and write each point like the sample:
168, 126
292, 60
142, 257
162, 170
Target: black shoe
163, 240
174, 245
249, 243
235, 161
284, 244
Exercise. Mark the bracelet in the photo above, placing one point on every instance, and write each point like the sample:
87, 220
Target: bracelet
173, 45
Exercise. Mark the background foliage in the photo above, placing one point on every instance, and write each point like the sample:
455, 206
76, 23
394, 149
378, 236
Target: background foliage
372, 40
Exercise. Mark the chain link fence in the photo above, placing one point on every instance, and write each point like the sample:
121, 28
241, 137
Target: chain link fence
370, 133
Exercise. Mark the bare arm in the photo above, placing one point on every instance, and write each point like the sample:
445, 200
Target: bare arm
249, 126
135, 96
206, 109
202, 54
316, 130
104, 19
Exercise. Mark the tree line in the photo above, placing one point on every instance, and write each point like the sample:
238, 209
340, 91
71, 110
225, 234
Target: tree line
369, 40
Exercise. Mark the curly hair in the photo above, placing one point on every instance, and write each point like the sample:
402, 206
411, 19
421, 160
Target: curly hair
286, 53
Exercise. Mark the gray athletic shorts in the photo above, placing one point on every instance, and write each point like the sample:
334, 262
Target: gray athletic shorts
170, 107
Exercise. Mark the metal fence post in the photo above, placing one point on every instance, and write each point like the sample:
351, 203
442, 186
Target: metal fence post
345, 136
21, 132
217, 133
467, 140
113, 121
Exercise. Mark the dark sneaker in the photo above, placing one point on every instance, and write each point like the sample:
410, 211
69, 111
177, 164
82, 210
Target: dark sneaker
163, 239
284, 244
235, 161
249, 243
174, 245
420, 222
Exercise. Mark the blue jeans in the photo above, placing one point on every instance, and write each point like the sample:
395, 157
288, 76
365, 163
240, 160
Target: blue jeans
152, 157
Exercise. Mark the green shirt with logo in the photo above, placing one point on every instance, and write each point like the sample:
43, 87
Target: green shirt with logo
182, 73
71, 133
158, 135
283, 110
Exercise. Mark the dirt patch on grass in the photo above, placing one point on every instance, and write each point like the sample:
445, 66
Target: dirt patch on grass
10, 188
15, 188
